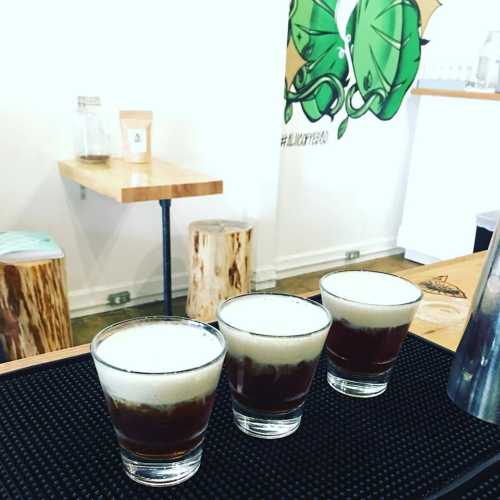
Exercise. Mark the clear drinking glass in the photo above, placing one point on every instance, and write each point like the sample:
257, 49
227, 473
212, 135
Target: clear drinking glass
159, 376
274, 344
371, 312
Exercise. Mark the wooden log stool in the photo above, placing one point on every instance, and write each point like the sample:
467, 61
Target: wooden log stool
220, 265
34, 312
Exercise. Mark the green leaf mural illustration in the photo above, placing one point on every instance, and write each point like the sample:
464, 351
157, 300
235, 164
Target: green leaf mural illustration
320, 82
342, 127
288, 112
385, 52
384, 48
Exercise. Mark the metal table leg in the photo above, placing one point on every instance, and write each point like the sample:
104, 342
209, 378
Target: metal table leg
167, 258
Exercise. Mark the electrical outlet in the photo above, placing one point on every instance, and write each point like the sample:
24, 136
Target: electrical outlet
352, 254
119, 298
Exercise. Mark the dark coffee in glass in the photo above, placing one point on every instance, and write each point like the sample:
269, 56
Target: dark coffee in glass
159, 377
371, 315
274, 343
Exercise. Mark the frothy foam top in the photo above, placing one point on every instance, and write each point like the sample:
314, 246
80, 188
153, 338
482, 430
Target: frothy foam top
273, 329
156, 349
371, 288
369, 299
276, 315
159, 347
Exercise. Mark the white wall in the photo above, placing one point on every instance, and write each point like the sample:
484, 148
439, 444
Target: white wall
212, 73
455, 175
350, 194
345, 195
457, 31
454, 169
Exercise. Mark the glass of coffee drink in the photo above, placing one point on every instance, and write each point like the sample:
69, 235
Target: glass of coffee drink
159, 376
274, 344
371, 312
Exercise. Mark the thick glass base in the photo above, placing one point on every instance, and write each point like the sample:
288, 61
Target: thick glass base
355, 384
265, 425
161, 473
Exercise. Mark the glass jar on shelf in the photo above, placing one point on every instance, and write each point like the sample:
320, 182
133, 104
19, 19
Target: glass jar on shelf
91, 134
489, 62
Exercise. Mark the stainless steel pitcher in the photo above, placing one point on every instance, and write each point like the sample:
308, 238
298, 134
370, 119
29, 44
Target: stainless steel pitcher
474, 383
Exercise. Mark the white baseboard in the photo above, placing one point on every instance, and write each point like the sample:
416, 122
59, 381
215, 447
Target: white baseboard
310, 262
95, 300
419, 257
264, 277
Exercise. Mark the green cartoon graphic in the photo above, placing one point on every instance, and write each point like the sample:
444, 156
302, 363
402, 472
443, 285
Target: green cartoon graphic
385, 53
321, 80
384, 45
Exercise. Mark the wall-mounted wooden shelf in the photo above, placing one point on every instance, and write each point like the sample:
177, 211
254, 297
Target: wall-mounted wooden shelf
131, 182
464, 94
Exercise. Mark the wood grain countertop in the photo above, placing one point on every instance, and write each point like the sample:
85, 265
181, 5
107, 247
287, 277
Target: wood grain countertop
448, 289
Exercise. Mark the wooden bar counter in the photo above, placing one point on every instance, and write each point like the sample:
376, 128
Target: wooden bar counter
448, 289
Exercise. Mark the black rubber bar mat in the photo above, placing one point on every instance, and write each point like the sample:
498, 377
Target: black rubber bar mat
56, 441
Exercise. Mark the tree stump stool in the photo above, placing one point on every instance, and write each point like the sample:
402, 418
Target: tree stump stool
34, 312
220, 265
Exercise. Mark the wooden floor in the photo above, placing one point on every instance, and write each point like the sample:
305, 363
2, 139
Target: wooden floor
86, 327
